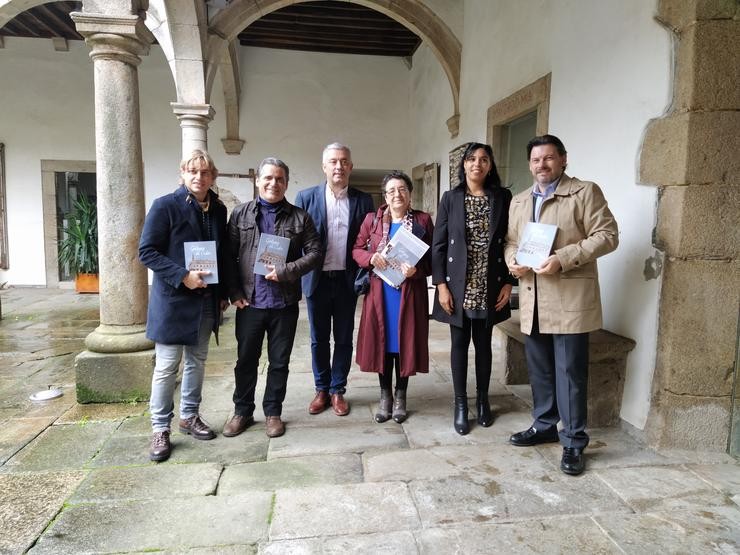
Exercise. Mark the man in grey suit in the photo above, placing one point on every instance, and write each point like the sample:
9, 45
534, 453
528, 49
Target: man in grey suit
337, 210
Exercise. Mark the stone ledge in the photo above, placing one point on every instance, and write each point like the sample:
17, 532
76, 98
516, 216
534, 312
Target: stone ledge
607, 366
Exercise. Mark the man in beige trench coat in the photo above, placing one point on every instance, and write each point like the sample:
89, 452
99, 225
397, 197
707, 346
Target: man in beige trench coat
559, 301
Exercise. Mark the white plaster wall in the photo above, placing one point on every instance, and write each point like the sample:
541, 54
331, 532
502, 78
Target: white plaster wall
295, 103
611, 72
48, 113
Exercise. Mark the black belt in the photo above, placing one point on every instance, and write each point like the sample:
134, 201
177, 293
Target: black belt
332, 274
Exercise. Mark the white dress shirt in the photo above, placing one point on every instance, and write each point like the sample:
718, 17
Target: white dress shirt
337, 227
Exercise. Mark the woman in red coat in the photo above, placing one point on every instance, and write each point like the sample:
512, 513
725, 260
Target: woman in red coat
394, 326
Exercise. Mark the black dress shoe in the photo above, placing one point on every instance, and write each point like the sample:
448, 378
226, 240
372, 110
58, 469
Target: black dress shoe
533, 436
572, 462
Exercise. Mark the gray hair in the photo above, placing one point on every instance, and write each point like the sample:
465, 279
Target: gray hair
271, 161
336, 146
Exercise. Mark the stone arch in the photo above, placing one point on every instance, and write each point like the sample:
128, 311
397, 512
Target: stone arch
412, 14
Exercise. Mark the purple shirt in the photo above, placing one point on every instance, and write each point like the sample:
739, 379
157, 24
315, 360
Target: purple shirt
267, 293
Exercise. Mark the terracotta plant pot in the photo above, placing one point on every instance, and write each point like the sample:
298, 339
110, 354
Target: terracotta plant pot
87, 283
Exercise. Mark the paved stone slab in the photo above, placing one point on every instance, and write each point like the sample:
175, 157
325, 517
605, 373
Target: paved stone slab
473, 461
343, 510
609, 448
28, 502
250, 446
18, 432
579, 535
431, 425
96, 412
350, 438
67, 446
457, 500
220, 549
707, 530
151, 525
291, 473
385, 542
650, 489
724, 477
148, 482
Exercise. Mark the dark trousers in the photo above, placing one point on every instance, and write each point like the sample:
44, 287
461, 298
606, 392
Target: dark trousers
386, 378
331, 309
558, 374
460, 340
251, 326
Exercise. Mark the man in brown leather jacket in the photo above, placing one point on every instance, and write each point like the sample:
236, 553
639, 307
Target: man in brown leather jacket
267, 304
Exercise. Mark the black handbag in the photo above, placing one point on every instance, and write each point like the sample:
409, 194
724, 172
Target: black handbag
362, 279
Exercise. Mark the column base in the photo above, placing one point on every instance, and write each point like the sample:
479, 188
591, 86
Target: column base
118, 339
114, 377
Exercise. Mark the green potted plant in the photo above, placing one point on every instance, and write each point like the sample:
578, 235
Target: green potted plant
79, 245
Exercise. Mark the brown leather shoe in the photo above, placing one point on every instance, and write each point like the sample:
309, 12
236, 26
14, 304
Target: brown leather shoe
195, 427
237, 424
160, 448
320, 403
341, 407
274, 426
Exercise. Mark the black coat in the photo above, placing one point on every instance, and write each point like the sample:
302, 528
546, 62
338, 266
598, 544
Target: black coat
450, 253
174, 310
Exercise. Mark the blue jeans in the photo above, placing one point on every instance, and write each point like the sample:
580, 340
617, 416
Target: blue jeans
332, 300
164, 379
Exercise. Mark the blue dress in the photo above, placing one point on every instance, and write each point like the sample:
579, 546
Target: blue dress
391, 307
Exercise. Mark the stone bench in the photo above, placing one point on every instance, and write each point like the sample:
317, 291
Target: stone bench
607, 366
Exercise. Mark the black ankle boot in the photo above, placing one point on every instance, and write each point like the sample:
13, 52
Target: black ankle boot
461, 415
485, 417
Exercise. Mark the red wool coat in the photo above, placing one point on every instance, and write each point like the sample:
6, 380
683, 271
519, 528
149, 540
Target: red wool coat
413, 315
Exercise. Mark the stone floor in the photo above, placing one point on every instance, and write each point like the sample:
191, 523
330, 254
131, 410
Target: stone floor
76, 478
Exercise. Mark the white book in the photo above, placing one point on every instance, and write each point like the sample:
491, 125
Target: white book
404, 246
535, 244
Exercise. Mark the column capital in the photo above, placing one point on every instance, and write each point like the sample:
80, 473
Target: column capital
195, 112
116, 37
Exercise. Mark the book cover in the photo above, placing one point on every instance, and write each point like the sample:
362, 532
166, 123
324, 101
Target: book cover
406, 247
201, 257
535, 244
272, 249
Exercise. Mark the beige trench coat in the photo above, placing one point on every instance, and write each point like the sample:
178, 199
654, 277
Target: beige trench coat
569, 301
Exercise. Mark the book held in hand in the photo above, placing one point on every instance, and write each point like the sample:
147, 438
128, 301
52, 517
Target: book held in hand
404, 246
272, 250
535, 244
201, 257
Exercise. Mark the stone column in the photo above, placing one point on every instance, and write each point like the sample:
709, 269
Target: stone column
119, 360
194, 120
691, 154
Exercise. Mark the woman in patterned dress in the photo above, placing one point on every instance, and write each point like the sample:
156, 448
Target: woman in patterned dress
468, 268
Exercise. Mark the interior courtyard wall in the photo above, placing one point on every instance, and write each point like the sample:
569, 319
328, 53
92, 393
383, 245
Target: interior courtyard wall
611, 72
294, 103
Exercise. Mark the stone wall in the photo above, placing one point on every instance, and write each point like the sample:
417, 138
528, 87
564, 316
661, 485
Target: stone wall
691, 155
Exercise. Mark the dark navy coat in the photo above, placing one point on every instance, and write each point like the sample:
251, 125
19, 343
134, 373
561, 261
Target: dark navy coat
174, 310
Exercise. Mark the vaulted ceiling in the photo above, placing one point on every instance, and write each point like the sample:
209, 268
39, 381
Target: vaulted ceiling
319, 26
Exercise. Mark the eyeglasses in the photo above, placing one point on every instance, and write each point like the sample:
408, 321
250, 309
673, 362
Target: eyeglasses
401, 191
